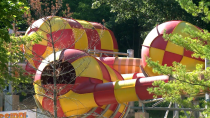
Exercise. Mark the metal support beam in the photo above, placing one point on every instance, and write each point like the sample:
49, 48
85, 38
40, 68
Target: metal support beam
196, 113
166, 108
107, 52
166, 114
157, 103
126, 111
104, 111
116, 111
176, 112
153, 100
89, 113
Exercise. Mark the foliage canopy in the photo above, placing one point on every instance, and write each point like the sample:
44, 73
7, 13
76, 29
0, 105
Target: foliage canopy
11, 11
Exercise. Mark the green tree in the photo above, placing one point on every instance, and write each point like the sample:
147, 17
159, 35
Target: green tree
11, 10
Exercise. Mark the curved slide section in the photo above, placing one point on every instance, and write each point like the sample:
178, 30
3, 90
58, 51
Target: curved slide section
123, 65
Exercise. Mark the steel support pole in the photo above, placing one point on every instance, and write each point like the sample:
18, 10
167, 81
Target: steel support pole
166, 114
170, 109
207, 94
175, 112
196, 113
130, 52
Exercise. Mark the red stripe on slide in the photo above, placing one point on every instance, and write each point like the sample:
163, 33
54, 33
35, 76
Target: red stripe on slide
72, 55
48, 105
73, 23
119, 77
38, 49
107, 60
37, 60
97, 25
93, 39
113, 107
118, 115
142, 84
62, 38
104, 94
99, 110
85, 85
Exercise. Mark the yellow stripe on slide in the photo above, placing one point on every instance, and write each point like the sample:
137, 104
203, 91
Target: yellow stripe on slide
127, 88
108, 113
39, 91
182, 25
76, 102
44, 40
88, 67
122, 107
106, 39
81, 40
85, 24
48, 51
156, 54
111, 73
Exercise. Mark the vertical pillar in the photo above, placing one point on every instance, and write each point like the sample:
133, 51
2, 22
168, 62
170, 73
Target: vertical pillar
176, 113
132, 105
207, 94
131, 111
11, 102
130, 52
143, 113
196, 113
166, 114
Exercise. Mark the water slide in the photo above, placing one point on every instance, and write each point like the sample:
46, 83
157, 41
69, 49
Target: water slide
98, 86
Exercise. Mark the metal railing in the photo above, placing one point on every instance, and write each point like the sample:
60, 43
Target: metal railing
130, 52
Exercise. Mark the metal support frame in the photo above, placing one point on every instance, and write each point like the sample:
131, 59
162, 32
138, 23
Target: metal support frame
104, 111
196, 113
153, 100
116, 110
126, 112
157, 103
142, 105
176, 112
166, 108
166, 114
95, 51
90, 112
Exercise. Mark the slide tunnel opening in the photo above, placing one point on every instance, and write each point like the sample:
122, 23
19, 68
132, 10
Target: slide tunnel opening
64, 72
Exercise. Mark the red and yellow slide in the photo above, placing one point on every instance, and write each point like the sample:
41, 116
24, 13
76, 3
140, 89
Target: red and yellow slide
89, 86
